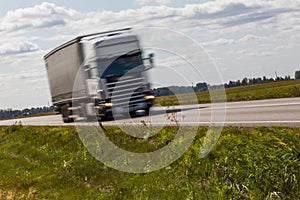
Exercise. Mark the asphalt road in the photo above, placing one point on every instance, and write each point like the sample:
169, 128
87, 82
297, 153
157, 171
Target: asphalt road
275, 112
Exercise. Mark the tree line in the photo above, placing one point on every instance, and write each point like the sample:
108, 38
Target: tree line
252, 81
199, 87
10, 113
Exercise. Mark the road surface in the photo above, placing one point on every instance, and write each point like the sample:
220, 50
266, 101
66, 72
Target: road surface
275, 112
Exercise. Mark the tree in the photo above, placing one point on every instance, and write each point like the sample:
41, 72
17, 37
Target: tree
297, 75
201, 87
245, 81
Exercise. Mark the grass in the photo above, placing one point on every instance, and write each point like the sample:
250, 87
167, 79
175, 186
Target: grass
281, 89
246, 163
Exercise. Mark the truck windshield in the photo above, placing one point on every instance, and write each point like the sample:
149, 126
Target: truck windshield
120, 65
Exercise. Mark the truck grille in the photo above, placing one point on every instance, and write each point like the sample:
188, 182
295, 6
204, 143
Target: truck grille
126, 91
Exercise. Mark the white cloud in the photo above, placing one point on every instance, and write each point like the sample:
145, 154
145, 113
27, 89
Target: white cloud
39, 16
259, 54
234, 41
16, 47
250, 37
31, 75
160, 2
219, 42
219, 16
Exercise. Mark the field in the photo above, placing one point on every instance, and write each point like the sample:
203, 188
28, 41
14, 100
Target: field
281, 89
246, 163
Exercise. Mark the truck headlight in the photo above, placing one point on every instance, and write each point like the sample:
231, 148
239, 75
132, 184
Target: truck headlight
149, 97
108, 104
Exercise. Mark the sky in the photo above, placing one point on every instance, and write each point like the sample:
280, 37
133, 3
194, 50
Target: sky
242, 38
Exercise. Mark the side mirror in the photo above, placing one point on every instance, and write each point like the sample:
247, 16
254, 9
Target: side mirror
151, 56
150, 60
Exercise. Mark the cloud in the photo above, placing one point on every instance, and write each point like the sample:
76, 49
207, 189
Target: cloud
219, 42
30, 75
250, 37
213, 15
17, 47
39, 16
160, 2
26, 77
259, 54
238, 41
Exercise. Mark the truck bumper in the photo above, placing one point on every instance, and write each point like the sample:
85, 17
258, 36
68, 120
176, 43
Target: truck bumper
110, 110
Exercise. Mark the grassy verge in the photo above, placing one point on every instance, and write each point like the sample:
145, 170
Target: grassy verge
246, 163
281, 89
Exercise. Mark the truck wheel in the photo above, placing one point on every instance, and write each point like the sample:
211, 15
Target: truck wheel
132, 114
102, 118
147, 111
68, 120
105, 118
108, 116
66, 113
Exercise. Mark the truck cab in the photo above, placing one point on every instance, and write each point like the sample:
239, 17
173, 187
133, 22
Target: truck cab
118, 70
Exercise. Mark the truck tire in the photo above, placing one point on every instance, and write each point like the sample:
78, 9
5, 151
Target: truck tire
132, 114
107, 117
68, 120
66, 113
147, 111
102, 118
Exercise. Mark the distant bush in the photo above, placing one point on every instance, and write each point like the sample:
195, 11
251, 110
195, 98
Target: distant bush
297, 75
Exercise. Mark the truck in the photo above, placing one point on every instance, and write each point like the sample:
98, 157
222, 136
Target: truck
99, 75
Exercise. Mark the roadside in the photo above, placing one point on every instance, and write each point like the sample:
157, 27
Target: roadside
246, 163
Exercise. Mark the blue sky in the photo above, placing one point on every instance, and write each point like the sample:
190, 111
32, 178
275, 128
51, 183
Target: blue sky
244, 38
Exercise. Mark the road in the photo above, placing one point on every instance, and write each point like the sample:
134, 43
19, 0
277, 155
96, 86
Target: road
275, 112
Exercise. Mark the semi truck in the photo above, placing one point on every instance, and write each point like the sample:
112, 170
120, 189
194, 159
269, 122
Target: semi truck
98, 75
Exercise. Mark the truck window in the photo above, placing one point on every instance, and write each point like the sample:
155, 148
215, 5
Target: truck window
120, 65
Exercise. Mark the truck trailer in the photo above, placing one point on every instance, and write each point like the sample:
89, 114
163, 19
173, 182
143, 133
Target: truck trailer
98, 75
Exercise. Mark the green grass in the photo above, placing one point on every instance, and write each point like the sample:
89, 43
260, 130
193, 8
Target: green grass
246, 163
281, 89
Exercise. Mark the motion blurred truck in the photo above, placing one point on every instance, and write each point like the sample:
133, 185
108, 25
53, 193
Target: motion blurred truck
97, 75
